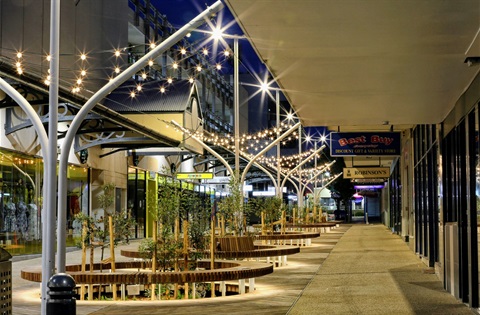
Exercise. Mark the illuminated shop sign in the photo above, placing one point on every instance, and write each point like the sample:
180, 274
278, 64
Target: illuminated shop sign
364, 143
366, 172
194, 175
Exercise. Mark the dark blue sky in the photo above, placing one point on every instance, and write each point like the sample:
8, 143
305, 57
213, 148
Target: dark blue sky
179, 12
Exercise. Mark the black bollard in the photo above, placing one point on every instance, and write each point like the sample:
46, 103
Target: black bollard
60, 300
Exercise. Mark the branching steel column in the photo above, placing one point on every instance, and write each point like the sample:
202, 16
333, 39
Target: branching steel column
97, 97
236, 106
206, 147
48, 255
268, 147
314, 177
300, 165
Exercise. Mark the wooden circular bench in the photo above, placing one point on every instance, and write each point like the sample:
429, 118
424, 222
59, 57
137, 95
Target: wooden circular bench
311, 225
224, 271
238, 247
288, 236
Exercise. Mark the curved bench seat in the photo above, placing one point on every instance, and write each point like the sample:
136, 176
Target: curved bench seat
227, 270
288, 236
311, 225
260, 251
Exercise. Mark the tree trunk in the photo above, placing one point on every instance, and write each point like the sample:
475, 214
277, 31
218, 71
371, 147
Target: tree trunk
154, 257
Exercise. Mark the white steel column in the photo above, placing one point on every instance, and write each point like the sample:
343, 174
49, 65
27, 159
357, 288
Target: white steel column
97, 97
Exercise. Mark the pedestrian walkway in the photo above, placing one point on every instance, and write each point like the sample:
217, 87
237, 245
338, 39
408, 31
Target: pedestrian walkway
371, 271
353, 269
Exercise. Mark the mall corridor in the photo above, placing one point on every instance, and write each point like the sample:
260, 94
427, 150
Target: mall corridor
372, 271
353, 269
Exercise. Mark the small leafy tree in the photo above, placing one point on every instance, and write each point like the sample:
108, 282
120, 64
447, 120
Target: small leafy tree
231, 207
123, 224
166, 213
270, 206
106, 200
199, 219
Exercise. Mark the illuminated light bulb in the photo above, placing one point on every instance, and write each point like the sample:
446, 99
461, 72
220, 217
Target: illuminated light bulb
79, 81
132, 94
117, 53
169, 80
19, 55
175, 65
83, 57
152, 45
48, 70
217, 33
139, 87
47, 82
73, 89
264, 87
162, 89
205, 51
150, 62
188, 35
110, 79
19, 70
199, 68
83, 73
49, 77
117, 69
226, 53
308, 138
77, 89
289, 116
183, 51
144, 75
18, 64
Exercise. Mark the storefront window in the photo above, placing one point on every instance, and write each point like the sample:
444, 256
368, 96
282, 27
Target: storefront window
77, 201
21, 201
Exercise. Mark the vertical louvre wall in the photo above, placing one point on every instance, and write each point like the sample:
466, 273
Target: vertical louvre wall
426, 192
396, 200
460, 157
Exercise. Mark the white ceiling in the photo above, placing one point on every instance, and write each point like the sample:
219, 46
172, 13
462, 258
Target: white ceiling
355, 64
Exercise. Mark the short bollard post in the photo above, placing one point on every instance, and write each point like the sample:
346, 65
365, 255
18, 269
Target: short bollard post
60, 300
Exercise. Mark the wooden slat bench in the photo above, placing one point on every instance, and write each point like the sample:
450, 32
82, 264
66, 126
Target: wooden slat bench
240, 247
224, 271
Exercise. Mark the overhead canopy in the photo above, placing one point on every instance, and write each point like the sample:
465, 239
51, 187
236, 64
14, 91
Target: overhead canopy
175, 97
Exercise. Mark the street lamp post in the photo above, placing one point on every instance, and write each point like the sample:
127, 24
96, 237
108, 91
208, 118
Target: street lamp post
277, 101
300, 196
236, 106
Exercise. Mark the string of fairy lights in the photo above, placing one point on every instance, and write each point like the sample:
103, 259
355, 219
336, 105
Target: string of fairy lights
307, 175
254, 142
80, 75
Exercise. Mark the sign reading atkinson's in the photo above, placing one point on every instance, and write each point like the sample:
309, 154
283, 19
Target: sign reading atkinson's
364, 143
366, 172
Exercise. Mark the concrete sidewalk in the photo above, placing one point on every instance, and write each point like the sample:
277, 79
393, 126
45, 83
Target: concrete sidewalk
371, 271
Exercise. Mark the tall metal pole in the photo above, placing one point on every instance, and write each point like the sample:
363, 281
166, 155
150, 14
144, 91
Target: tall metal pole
277, 103
236, 106
315, 184
97, 97
49, 211
300, 196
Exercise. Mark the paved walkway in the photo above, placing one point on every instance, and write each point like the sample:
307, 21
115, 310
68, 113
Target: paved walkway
371, 271
359, 269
